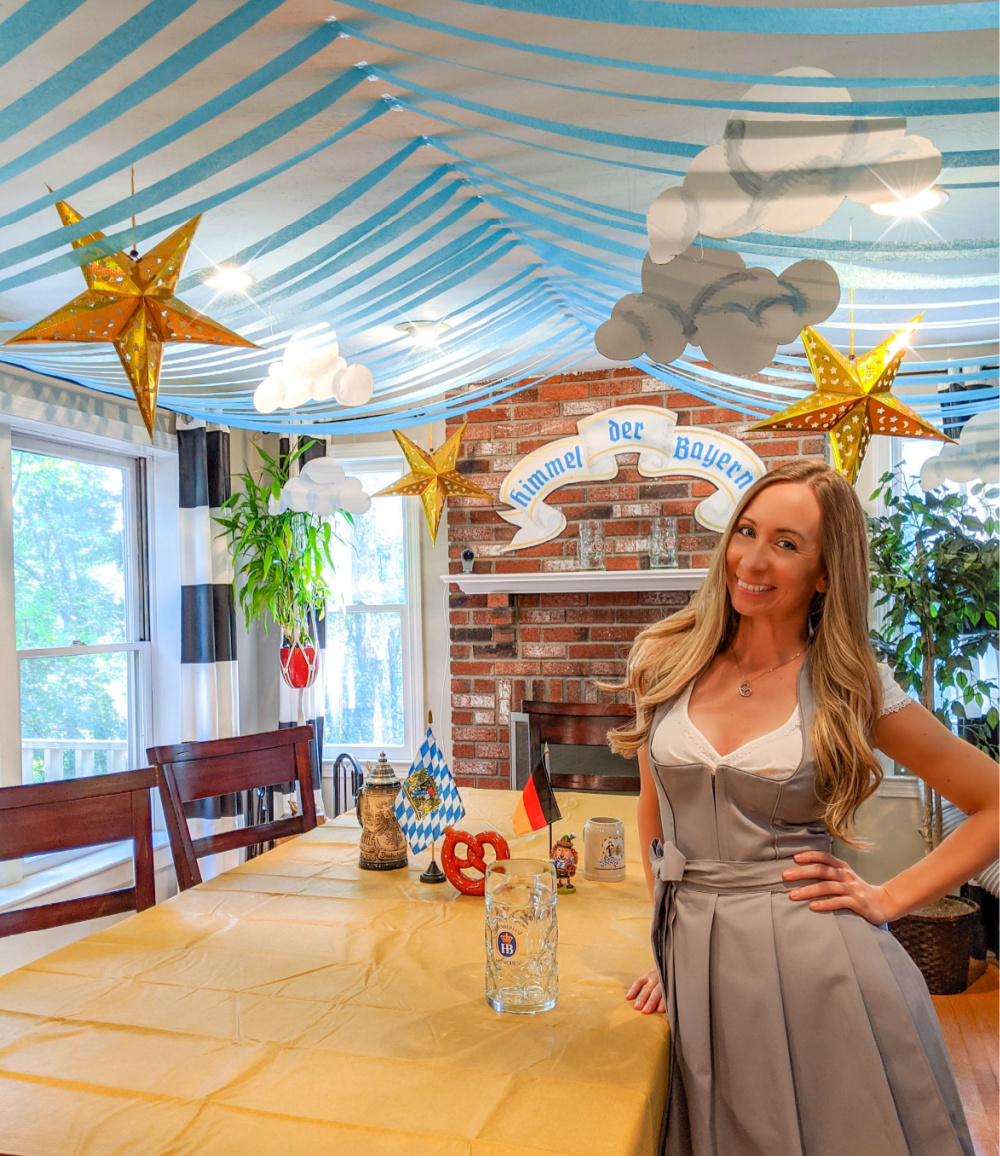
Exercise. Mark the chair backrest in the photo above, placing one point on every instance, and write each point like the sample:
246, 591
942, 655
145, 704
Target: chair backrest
190, 771
80, 813
584, 724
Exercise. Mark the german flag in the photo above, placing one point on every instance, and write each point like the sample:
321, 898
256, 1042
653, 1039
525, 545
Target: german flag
537, 806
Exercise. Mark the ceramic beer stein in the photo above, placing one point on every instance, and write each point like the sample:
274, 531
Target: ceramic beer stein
604, 849
383, 844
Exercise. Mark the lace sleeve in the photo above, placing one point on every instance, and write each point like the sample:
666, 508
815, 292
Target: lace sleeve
893, 697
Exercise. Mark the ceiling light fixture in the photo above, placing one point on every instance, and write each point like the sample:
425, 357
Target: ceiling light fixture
423, 333
229, 279
913, 206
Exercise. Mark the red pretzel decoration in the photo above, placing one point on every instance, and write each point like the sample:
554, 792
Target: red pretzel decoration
455, 864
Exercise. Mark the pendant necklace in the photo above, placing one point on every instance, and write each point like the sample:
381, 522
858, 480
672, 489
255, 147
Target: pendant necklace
744, 687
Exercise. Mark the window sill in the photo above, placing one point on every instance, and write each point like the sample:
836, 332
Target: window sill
35, 887
400, 766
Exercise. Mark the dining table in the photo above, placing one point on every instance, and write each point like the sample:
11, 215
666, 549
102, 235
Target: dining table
297, 1003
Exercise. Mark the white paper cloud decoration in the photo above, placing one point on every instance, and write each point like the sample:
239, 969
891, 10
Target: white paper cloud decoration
975, 455
307, 372
321, 488
789, 173
708, 297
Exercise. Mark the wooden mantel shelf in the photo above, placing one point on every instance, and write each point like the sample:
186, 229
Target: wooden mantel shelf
572, 581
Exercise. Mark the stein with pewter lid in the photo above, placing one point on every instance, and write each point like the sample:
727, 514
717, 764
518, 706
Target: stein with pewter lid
383, 844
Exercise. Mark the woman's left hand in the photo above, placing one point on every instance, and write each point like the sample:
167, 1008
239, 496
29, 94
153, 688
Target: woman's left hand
837, 885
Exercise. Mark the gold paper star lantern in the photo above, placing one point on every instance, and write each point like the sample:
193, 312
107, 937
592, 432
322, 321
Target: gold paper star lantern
131, 304
433, 477
852, 400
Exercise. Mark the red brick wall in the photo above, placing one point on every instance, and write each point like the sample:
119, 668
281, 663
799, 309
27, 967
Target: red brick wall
507, 648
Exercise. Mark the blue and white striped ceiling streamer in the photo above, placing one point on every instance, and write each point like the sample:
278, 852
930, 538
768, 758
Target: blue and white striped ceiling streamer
800, 21
149, 85
70, 80
861, 24
519, 221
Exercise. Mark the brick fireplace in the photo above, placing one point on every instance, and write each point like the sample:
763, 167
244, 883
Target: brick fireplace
508, 648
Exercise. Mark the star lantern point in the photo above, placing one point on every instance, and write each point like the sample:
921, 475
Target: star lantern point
852, 400
433, 477
131, 304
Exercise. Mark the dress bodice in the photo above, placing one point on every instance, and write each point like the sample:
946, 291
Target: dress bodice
676, 739
735, 814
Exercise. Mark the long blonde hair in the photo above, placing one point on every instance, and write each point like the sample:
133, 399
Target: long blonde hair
846, 685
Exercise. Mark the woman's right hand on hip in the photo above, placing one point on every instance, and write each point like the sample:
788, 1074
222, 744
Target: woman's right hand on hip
647, 993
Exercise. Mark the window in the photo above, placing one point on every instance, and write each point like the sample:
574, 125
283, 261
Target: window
372, 644
912, 453
80, 610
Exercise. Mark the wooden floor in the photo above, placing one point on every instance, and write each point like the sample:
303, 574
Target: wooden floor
970, 1026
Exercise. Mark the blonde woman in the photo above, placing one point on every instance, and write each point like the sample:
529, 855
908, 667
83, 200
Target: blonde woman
799, 1026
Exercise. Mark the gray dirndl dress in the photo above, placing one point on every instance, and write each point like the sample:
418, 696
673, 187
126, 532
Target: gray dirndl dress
793, 1032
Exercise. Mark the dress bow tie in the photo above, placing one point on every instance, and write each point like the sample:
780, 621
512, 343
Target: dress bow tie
667, 862
668, 869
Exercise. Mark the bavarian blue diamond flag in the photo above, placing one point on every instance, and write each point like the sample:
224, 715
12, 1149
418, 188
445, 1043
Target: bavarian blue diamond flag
428, 801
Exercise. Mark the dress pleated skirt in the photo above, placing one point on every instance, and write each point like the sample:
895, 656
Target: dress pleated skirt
795, 1032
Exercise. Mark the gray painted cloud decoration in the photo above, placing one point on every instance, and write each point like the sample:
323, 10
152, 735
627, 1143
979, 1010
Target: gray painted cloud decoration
708, 297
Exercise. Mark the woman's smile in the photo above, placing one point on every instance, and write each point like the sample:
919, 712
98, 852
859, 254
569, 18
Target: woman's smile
752, 588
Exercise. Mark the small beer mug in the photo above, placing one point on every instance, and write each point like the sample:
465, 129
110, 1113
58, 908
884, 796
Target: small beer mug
591, 545
522, 974
604, 849
663, 544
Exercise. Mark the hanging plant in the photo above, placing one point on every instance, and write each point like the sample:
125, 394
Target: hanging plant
280, 561
935, 576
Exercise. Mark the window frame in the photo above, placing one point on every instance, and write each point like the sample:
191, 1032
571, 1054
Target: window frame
353, 458
138, 642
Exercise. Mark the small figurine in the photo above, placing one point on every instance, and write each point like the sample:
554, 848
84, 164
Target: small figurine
564, 858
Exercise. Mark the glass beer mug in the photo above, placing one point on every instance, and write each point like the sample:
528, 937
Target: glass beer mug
522, 974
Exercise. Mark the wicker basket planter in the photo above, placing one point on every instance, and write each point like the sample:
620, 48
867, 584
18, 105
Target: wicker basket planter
939, 940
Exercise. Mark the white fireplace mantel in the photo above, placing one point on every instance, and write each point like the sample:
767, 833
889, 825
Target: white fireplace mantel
573, 581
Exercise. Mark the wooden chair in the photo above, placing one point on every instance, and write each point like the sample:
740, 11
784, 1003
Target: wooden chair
584, 724
190, 771
80, 813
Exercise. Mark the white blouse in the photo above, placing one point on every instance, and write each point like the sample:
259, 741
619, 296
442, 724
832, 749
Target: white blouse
676, 741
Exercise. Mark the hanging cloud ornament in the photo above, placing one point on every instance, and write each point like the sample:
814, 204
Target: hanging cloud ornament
307, 372
976, 454
321, 488
708, 297
789, 173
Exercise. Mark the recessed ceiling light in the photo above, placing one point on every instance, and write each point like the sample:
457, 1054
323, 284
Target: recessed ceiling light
423, 332
923, 202
228, 279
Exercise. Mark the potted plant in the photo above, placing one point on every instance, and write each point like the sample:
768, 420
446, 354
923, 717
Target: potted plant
935, 576
279, 561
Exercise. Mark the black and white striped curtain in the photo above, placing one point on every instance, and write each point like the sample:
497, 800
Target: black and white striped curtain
313, 697
209, 679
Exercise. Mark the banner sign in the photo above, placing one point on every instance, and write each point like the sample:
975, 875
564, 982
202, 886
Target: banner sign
591, 455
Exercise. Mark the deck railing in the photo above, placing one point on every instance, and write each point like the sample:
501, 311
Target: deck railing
52, 760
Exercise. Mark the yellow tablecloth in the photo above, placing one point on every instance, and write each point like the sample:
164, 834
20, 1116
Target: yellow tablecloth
298, 1004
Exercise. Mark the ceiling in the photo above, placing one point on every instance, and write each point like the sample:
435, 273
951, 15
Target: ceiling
487, 163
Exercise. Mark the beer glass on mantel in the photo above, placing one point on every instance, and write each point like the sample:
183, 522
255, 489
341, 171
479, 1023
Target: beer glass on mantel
591, 545
522, 973
663, 544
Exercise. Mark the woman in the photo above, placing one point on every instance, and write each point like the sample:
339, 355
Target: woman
799, 1026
